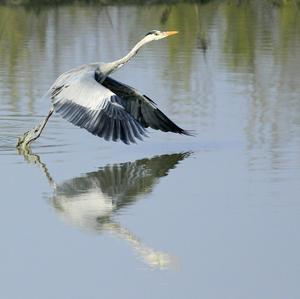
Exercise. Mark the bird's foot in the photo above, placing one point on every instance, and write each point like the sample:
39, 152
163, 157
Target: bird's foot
29, 136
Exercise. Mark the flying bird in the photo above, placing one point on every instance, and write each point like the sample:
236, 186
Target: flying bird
89, 98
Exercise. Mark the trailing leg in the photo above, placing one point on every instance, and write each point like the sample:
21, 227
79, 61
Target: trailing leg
29, 136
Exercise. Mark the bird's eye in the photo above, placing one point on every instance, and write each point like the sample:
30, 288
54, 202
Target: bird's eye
153, 32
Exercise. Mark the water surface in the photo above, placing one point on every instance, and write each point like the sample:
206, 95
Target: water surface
214, 216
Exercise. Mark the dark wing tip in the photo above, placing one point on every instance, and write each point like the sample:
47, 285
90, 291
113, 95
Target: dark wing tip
143, 109
191, 133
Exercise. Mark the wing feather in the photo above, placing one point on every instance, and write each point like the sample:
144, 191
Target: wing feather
142, 108
80, 99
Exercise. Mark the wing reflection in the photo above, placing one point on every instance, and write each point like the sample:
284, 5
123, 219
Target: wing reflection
90, 201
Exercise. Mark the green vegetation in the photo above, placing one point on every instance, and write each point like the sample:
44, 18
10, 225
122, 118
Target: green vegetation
102, 2
242, 27
275, 3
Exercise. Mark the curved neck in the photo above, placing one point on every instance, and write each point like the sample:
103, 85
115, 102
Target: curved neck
113, 66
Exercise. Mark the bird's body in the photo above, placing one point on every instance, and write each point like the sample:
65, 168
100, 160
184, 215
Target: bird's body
78, 97
89, 98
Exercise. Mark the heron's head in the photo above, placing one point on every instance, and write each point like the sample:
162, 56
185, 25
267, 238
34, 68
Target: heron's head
156, 35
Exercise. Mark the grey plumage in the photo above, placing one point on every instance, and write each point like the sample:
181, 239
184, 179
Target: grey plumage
142, 108
89, 98
80, 99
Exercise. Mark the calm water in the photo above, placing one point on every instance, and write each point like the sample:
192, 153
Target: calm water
215, 216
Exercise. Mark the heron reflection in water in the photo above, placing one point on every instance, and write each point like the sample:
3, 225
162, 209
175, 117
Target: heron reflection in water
89, 202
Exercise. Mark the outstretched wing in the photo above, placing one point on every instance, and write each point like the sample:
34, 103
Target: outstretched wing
121, 183
143, 109
80, 99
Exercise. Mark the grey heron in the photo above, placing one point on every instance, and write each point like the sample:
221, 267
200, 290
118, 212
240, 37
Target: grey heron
89, 98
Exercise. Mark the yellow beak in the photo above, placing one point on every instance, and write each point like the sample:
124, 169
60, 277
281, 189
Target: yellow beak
168, 33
